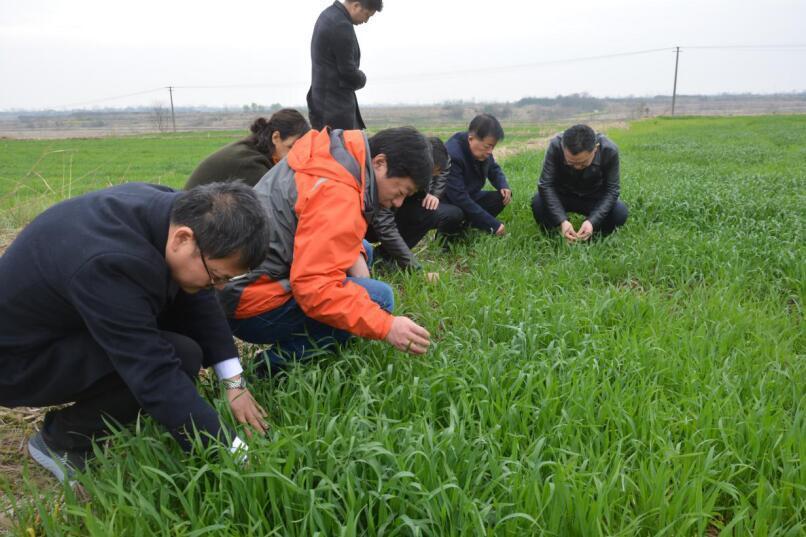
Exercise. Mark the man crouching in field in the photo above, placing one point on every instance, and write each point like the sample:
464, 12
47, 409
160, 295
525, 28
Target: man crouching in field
581, 175
106, 304
314, 289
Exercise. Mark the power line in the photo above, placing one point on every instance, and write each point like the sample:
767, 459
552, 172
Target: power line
744, 47
455, 72
441, 74
104, 99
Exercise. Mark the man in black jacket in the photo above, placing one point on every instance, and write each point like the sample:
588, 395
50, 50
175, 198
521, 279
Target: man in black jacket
581, 175
335, 62
399, 230
106, 303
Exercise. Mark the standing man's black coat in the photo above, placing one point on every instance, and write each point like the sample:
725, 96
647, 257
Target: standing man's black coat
335, 73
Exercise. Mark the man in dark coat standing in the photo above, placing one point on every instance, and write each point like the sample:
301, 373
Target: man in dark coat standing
106, 303
335, 62
580, 174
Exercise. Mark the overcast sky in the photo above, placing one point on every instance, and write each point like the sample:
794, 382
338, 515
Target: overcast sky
66, 53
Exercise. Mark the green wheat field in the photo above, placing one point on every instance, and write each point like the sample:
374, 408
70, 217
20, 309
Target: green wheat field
652, 383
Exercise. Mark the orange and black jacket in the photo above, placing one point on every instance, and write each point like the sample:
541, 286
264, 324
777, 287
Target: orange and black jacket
318, 200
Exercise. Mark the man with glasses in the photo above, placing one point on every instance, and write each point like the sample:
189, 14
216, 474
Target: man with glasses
580, 175
106, 304
465, 202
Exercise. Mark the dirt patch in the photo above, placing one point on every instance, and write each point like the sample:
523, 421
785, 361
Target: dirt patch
539, 144
516, 148
17, 469
6, 237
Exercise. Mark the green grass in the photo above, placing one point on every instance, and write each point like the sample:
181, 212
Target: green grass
649, 384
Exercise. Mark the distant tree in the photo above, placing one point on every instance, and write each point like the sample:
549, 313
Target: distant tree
159, 114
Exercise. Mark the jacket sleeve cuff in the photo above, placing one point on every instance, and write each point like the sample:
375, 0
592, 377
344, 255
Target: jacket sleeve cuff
387, 326
228, 368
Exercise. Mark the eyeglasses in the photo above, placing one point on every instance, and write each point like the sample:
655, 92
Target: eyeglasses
216, 280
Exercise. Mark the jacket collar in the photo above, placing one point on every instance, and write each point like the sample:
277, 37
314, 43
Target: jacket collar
343, 9
349, 162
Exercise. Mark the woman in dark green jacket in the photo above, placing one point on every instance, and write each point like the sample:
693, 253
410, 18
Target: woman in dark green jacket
249, 159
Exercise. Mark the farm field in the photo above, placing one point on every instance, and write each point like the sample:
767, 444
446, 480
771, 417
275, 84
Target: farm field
650, 384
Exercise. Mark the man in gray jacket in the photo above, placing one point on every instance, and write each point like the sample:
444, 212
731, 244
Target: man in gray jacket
399, 230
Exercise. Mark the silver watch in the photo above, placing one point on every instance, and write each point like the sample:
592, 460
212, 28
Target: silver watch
230, 384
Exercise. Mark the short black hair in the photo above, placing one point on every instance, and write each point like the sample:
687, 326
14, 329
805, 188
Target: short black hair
372, 5
579, 138
226, 218
439, 153
408, 154
484, 125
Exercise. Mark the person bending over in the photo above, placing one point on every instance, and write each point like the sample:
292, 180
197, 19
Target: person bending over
313, 290
472, 164
581, 175
399, 230
249, 159
106, 303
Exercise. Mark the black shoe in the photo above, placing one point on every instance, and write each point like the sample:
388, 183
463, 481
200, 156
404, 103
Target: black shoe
62, 465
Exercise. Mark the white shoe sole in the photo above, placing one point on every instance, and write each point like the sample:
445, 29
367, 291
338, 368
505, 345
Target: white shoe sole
46, 462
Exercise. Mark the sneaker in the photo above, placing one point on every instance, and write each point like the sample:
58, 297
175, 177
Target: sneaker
63, 466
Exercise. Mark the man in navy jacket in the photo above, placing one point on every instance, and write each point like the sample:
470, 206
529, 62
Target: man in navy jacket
472, 164
580, 174
335, 65
106, 304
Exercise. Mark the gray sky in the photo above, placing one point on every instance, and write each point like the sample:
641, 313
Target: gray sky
60, 53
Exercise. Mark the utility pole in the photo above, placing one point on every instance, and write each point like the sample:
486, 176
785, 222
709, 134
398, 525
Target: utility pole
173, 116
674, 91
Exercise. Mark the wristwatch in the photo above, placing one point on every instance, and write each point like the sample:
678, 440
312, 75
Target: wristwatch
230, 384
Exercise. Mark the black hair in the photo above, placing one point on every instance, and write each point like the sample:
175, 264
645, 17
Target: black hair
439, 153
408, 154
226, 218
288, 122
579, 138
484, 125
372, 5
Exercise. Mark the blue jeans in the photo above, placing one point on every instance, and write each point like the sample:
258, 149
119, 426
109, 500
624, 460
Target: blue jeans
294, 336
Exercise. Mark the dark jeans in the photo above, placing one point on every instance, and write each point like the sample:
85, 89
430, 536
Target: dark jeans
91, 384
452, 219
576, 204
294, 336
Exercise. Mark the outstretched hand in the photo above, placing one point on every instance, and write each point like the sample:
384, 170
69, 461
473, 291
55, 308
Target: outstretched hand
247, 411
408, 336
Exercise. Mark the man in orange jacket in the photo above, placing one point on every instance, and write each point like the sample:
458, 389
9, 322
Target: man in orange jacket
313, 290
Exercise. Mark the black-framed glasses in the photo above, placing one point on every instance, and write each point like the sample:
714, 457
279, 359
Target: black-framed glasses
216, 280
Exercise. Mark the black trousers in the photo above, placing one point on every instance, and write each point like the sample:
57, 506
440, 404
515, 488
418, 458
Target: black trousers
412, 219
576, 204
452, 219
91, 384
